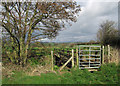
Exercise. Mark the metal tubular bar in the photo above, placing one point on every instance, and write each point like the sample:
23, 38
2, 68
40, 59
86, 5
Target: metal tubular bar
88, 46
88, 58
90, 55
88, 67
89, 63
90, 50
100, 56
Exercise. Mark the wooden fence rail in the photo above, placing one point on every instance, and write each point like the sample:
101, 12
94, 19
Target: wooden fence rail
66, 63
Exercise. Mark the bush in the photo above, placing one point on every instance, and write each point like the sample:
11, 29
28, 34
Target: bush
33, 61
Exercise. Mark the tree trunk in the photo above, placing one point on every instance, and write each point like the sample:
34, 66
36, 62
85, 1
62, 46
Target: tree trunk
25, 54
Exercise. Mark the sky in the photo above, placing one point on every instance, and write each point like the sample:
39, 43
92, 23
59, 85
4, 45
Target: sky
91, 15
93, 12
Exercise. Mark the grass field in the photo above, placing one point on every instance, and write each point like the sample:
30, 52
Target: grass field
107, 74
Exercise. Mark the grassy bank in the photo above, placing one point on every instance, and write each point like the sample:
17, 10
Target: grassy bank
107, 74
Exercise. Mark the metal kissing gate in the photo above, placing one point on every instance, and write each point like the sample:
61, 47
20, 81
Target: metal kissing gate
89, 56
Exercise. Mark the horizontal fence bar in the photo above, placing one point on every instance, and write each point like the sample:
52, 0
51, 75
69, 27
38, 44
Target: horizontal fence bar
89, 62
88, 67
89, 55
89, 58
90, 50
88, 46
94, 64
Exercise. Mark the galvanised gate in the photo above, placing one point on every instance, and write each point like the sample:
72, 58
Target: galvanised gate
89, 56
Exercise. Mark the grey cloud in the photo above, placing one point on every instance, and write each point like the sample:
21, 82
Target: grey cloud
92, 14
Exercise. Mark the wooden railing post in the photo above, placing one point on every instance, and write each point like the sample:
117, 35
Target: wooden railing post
108, 53
72, 57
77, 55
103, 55
52, 60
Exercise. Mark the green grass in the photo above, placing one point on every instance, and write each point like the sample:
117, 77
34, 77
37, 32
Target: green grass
107, 74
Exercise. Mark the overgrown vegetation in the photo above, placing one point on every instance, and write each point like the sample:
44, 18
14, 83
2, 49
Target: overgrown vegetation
107, 74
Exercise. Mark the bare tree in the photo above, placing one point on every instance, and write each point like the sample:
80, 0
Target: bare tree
107, 34
28, 21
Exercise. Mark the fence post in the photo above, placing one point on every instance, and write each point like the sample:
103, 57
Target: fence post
103, 55
72, 57
52, 60
108, 53
77, 55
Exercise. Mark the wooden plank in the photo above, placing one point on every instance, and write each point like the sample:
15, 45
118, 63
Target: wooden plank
93, 70
52, 60
72, 57
66, 63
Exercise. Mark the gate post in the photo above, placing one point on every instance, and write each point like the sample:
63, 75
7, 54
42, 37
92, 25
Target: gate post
77, 55
52, 60
103, 55
72, 57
